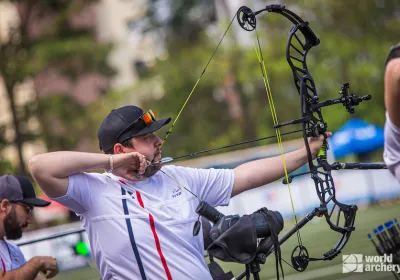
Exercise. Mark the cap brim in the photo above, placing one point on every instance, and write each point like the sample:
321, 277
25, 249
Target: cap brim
36, 202
153, 127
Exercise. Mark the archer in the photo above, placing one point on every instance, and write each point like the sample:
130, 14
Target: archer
138, 228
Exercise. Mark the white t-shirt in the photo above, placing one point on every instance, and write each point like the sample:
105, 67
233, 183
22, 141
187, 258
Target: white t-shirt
391, 154
144, 230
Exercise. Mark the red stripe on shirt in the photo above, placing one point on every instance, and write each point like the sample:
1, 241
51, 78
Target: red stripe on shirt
157, 241
139, 198
158, 245
3, 264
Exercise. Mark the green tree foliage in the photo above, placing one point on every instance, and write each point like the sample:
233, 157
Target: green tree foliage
355, 40
54, 45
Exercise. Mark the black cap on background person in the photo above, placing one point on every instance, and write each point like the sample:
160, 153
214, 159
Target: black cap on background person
19, 189
17, 200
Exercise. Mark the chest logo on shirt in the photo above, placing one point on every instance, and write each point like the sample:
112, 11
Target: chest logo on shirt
176, 192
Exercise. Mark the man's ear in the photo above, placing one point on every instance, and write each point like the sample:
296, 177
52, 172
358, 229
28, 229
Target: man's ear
5, 204
118, 149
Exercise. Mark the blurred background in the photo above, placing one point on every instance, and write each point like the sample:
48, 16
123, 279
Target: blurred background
65, 64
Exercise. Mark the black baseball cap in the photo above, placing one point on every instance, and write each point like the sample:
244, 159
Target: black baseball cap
19, 189
124, 123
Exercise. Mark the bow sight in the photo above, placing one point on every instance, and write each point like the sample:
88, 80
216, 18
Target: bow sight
347, 99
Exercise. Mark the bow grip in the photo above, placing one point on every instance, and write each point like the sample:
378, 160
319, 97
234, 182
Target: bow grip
322, 156
322, 152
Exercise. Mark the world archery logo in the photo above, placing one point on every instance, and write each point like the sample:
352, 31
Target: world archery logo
352, 263
176, 192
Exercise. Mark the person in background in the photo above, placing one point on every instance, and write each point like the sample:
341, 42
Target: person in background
391, 154
17, 200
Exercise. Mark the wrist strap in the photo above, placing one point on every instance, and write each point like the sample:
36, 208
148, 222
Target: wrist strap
111, 164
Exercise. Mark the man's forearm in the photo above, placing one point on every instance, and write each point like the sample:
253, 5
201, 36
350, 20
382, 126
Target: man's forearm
64, 164
51, 170
28, 271
260, 172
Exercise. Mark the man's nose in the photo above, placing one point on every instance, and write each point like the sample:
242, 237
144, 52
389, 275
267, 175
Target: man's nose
158, 141
29, 219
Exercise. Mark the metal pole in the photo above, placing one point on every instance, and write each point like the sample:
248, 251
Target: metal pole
57, 235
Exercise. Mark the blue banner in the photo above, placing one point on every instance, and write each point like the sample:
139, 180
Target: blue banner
356, 137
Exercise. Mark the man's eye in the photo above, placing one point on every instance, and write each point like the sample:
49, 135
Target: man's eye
150, 135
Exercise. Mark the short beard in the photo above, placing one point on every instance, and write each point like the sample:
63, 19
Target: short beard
12, 228
152, 170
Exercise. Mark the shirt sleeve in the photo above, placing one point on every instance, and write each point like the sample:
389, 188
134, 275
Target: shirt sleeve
81, 187
391, 154
16, 255
212, 185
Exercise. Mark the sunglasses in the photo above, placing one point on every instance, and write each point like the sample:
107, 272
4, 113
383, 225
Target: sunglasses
28, 208
148, 118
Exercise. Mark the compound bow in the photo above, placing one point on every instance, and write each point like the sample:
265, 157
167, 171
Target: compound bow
301, 39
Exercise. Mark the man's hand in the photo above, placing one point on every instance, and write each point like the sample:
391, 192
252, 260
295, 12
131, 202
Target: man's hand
129, 165
47, 265
316, 143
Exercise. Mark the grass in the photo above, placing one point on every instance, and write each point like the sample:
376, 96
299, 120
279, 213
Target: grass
317, 238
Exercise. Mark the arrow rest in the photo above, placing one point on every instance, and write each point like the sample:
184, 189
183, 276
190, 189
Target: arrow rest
300, 259
246, 18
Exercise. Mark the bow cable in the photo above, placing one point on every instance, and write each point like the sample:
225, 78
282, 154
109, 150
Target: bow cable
275, 120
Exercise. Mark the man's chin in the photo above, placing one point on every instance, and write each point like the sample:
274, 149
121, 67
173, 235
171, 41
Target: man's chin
14, 236
152, 170
157, 157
